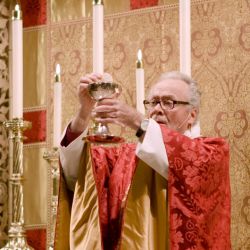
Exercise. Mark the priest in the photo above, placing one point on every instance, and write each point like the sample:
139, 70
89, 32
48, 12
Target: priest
170, 190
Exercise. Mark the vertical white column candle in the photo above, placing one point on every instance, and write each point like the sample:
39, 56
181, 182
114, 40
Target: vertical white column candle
16, 64
185, 47
98, 51
57, 108
185, 36
139, 83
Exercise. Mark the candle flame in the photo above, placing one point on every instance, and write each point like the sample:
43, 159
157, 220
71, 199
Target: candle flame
58, 69
58, 73
139, 63
139, 55
17, 7
16, 13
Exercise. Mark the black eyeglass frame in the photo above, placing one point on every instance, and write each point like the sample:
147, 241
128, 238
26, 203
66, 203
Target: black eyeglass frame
174, 102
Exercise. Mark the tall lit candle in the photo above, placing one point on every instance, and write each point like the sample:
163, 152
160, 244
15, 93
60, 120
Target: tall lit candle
139, 83
57, 107
16, 64
185, 36
98, 53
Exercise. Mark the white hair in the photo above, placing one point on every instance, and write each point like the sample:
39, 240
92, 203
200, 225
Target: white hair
194, 98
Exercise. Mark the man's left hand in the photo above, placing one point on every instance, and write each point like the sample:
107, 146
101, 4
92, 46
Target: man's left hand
115, 111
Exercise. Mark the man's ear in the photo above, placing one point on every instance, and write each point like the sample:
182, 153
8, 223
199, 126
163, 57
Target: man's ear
193, 116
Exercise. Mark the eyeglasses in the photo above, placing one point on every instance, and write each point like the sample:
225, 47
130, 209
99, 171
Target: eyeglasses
166, 104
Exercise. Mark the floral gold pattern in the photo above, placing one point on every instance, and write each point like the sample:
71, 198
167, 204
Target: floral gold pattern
246, 209
220, 64
153, 50
244, 37
209, 39
232, 124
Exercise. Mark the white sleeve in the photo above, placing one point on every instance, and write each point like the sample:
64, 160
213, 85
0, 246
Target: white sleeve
152, 149
70, 159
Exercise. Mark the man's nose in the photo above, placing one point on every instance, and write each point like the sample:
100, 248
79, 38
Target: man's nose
158, 109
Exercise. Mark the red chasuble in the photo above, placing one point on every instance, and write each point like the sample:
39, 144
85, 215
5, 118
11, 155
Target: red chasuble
198, 191
113, 170
198, 194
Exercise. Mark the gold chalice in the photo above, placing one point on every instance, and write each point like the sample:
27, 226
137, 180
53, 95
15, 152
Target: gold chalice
100, 133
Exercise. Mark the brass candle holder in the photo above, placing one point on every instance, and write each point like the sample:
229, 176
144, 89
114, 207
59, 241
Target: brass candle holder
16, 233
52, 157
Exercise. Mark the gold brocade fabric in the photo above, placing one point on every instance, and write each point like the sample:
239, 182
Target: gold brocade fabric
84, 226
35, 67
61, 241
62, 10
145, 215
220, 64
36, 178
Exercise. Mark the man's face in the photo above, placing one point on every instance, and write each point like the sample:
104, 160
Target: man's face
181, 116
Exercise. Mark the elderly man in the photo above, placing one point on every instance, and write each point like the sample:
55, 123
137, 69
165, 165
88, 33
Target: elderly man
170, 191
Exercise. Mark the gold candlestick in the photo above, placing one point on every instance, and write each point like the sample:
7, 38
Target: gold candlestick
16, 233
52, 157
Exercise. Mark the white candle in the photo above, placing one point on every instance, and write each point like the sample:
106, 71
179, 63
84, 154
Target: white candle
139, 83
16, 64
185, 47
185, 36
57, 108
98, 36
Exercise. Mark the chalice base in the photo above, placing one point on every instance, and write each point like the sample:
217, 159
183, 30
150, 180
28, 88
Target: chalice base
104, 138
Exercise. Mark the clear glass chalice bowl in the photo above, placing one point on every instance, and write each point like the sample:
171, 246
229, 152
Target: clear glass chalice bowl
100, 132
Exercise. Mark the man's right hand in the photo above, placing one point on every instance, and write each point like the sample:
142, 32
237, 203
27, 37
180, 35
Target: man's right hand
81, 120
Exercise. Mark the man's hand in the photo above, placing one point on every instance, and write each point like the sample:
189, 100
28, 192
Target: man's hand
86, 101
81, 120
115, 111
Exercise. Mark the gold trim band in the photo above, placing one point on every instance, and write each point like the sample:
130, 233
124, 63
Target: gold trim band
97, 2
57, 78
139, 64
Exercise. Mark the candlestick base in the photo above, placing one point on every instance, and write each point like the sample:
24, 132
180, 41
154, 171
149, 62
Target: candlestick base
52, 157
17, 238
16, 233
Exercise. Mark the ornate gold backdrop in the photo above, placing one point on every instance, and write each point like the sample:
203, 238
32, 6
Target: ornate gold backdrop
220, 64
